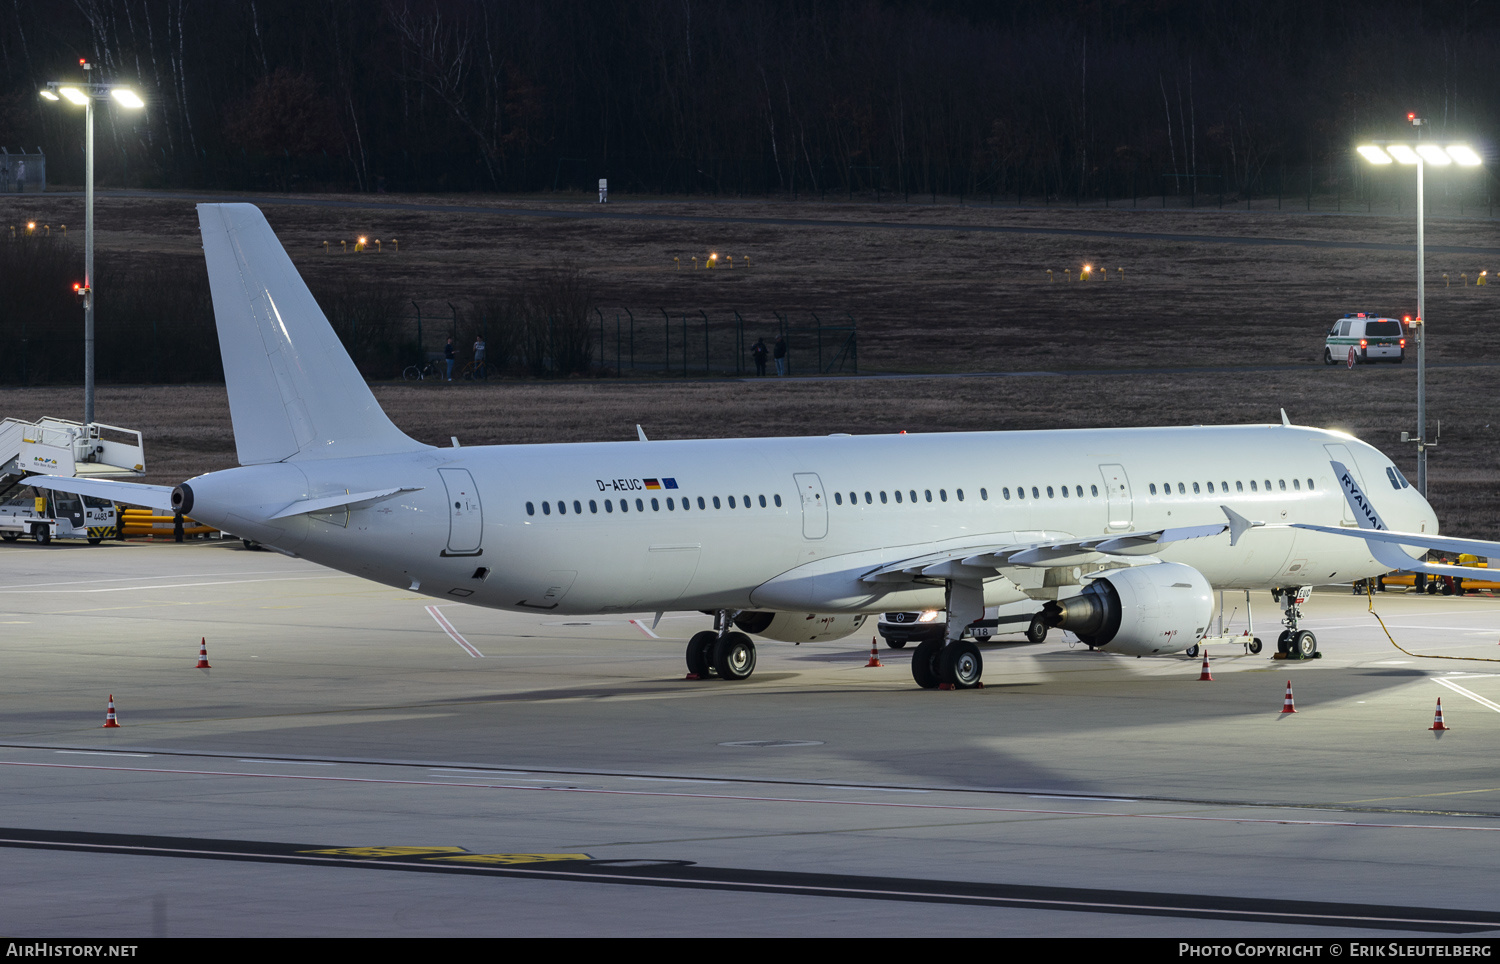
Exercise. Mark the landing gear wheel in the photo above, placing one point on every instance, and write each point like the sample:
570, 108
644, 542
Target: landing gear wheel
924, 667
1284, 641
896, 643
960, 665
1037, 631
1254, 646
734, 656
1191, 652
1304, 645
699, 653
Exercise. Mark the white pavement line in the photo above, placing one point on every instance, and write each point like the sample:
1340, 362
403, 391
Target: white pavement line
746, 798
453, 633
175, 575
644, 628
1469, 693
173, 585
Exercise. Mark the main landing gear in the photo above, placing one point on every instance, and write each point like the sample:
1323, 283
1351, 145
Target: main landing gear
718, 652
953, 662
1294, 643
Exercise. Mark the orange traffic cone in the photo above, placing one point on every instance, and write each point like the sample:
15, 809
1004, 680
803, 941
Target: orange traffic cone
874, 655
109, 715
1437, 720
1287, 706
203, 654
1205, 675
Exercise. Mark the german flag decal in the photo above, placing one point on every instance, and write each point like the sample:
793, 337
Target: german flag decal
651, 483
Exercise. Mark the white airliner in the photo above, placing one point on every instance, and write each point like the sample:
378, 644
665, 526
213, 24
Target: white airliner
1122, 531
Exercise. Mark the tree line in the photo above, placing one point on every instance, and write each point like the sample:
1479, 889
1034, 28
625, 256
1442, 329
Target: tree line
1025, 97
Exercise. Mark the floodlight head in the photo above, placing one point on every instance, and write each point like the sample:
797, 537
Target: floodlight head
1434, 155
1373, 154
1464, 154
74, 95
50, 95
127, 97
1403, 153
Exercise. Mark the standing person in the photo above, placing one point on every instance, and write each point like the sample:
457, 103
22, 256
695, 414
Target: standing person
759, 353
780, 353
479, 367
20, 177
449, 354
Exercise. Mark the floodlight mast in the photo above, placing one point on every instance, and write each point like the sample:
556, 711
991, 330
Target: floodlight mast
84, 95
1383, 152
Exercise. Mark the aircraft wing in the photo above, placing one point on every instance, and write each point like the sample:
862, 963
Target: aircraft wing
1385, 545
132, 493
984, 560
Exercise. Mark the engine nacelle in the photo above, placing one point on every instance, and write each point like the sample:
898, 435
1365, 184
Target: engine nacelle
1162, 608
799, 627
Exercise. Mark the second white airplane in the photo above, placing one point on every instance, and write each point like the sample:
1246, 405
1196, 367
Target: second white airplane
1122, 531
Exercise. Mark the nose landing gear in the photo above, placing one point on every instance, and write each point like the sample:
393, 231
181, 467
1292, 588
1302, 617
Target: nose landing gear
1294, 643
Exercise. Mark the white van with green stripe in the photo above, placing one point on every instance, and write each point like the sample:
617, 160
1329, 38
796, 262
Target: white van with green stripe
1359, 337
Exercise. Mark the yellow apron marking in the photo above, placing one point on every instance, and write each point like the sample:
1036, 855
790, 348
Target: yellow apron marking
513, 858
386, 851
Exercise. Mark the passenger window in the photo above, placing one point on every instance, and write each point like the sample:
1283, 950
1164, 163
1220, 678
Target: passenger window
1065, 491
882, 497
701, 503
984, 495
960, 493
731, 502
914, 496
1005, 493
1309, 485
1049, 491
838, 499
1268, 485
577, 507
1078, 490
594, 507
671, 506
1153, 488
562, 508
1210, 488
624, 505
1283, 484
1252, 486
686, 503
655, 506
1035, 492
531, 509
778, 500
1196, 490
868, 498
639, 506
1181, 489
898, 496
1239, 487
927, 491
762, 502
1297, 484
745, 501
546, 508
943, 494
716, 503
1094, 491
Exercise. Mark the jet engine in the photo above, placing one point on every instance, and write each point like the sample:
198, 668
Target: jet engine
1161, 608
798, 627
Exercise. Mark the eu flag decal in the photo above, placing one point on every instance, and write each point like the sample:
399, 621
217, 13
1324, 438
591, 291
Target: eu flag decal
669, 483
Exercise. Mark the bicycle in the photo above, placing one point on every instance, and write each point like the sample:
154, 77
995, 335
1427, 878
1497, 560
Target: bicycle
479, 371
416, 373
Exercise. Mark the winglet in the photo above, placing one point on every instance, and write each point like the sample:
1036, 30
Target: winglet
1363, 510
642, 433
1238, 524
1286, 422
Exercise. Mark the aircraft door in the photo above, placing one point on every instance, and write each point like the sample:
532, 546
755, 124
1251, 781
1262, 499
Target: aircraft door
1117, 496
814, 506
465, 518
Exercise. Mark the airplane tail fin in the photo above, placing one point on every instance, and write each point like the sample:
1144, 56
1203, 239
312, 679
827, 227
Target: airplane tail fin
293, 391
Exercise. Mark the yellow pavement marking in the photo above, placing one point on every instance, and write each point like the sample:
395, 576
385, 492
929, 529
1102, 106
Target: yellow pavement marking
386, 851
513, 858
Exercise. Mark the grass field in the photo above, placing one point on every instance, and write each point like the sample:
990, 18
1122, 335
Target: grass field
961, 298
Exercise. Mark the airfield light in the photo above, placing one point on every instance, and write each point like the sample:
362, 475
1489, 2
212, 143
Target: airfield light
1374, 154
1434, 155
1464, 154
30, 226
1402, 153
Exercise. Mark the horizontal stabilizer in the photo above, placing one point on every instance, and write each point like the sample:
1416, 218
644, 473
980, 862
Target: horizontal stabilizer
349, 500
131, 493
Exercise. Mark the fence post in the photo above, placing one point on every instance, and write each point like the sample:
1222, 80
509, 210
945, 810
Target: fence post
666, 331
705, 341
739, 344
632, 340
